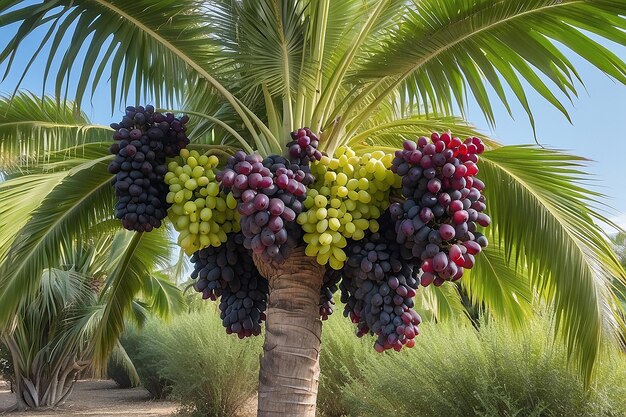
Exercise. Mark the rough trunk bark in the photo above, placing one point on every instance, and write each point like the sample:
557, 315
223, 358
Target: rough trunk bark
290, 370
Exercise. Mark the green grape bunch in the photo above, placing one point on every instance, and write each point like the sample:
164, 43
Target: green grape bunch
349, 195
200, 211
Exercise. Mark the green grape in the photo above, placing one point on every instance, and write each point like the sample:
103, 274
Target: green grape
200, 212
350, 193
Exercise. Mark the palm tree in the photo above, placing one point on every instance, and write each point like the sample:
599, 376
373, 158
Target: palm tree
50, 340
364, 73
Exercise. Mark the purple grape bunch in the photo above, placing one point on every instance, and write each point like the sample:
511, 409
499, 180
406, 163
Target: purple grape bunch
439, 220
330, 285
303, 147
269, 193
228, 271
378, 287
143, 140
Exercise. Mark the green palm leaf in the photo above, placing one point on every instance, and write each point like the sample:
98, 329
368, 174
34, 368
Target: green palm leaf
504, 290
82, 198
440, 304
444, 50
164, 297
20, 197
148, 49
132, 258
31, 128
546, 223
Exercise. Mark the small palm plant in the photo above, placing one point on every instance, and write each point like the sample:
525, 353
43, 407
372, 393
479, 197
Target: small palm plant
51, 338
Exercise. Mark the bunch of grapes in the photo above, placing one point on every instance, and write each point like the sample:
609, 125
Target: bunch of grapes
228, 271
347, 198
378, 287
438, 221
303, 147
269, 193
330, 285
144, 138
202, 212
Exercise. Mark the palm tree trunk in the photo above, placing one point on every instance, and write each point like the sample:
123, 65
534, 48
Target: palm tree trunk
290, 369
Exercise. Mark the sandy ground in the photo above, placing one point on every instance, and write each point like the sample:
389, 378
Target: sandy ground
97, 399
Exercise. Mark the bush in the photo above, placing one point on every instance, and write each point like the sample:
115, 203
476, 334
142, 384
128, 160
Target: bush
118, 373
148, 361
210, 372
341, 355
455, 371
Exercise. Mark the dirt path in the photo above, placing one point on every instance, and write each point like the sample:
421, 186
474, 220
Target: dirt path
97, 399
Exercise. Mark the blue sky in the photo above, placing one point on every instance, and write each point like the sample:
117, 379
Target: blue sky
598, 121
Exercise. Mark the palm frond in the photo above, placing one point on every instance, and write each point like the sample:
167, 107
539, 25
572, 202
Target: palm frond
147, 49
444, 50
120, 357
546, 221
271, 42
504, 290
20, 197
376, 15
132, 259
440, 304
45, 336
390, 132
162, 295
140, 44
82, 198
31, 128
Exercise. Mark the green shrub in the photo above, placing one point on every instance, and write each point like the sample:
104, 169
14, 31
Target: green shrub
213, 373
341, 355
210, 372
148, 361
117, 373
455, 371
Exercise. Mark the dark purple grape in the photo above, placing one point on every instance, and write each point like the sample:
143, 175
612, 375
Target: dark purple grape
228, 271
140, 153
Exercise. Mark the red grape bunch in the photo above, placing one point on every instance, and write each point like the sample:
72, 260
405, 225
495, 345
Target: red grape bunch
228, 271
303, 147
439, 220
269, 193
144, 138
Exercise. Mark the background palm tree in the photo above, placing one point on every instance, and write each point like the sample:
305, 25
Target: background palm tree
51, 338
365, 73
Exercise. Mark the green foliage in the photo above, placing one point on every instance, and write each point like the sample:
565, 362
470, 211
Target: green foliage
340, 361
50, 341
453, 370
537, 196
119, 374
55, 332
82, 198
209, 372
444, 50
32, 129
147, 359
